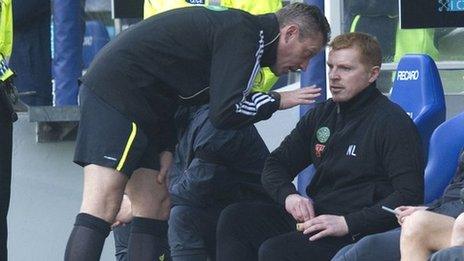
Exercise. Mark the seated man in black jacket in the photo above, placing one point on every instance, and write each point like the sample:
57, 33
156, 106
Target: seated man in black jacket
212, 169
367, 153
424, 229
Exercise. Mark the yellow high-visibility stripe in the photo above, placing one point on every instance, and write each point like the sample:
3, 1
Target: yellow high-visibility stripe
128, 146
354, 23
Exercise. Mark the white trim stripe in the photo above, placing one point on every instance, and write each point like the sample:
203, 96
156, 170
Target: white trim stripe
266, 100
257, 67
251, 108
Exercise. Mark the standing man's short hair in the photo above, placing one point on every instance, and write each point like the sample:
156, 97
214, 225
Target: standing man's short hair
309, 19
368, 47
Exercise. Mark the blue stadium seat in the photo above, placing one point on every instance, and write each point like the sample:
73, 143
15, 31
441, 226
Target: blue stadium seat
445, 145
95, 37
418, 90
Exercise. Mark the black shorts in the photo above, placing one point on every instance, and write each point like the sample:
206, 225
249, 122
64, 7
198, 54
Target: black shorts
108, 138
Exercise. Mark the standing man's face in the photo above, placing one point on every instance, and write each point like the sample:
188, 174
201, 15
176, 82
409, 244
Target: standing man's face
294, 53
348, 76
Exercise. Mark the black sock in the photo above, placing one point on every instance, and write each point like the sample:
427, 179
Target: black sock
87, 238
148, 240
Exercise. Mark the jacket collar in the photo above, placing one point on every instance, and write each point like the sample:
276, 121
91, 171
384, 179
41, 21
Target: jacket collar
360, 101
270, 26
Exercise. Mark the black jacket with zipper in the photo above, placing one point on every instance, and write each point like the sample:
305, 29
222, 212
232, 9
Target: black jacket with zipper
367, 154
193, 55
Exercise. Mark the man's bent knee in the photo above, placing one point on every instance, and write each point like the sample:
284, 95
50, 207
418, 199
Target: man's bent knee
271, 249
183, 232
414, 225
149, 198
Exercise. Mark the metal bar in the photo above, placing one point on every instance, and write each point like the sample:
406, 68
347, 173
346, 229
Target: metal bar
445, 65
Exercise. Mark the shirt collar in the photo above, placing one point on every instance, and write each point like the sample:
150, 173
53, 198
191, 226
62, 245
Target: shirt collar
270, 27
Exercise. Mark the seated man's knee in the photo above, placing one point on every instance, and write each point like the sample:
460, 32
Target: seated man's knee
183, 225
414, 226
181, 216
231, 218
183, 232
149, 199
272, 249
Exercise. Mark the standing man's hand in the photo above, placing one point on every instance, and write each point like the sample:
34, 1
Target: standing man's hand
299, 207
325, 225
300, 96
405, 211
166, 159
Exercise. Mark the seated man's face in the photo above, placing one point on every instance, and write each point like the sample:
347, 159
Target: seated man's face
348, 76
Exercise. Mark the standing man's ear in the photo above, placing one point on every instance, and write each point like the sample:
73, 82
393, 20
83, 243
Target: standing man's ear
291, 31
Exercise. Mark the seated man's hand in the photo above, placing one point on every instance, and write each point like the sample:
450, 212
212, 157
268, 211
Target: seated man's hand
405, 211
166, 159
299, 207
124, 215
323, 226
301, 96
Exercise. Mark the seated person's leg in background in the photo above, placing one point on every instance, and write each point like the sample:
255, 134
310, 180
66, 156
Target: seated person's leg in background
424, 232
457, 238
103, 190
455, 253
150, 208
192, 233
379, 247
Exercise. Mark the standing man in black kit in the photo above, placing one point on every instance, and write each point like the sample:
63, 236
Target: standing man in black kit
7, 117
128, 96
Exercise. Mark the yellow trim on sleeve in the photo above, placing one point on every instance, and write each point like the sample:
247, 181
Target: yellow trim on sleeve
128, 146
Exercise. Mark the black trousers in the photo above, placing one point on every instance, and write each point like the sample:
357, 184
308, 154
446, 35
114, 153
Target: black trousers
266, 232
5, 175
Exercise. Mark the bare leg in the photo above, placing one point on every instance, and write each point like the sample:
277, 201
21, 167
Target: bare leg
149, 198
424, 232
103, 191
457, 238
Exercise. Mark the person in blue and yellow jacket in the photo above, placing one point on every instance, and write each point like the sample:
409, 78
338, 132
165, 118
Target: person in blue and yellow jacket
7, 116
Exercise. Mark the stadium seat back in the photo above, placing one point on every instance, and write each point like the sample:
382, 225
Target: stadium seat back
445, 145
